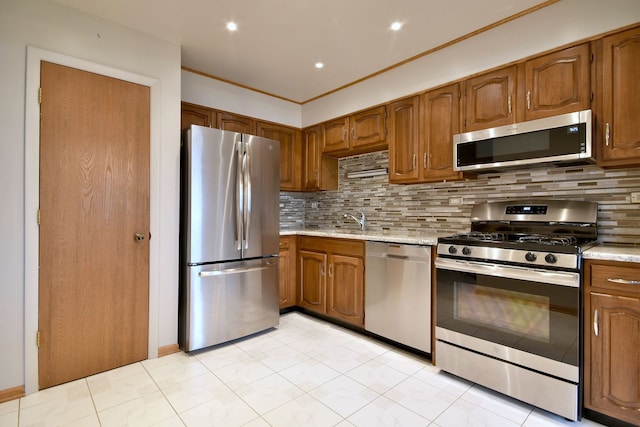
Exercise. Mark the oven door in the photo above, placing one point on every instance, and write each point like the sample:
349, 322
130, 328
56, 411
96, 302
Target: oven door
525, 316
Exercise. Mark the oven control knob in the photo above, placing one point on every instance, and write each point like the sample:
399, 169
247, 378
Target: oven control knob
551, 258
466, 251
530, 256
452, 250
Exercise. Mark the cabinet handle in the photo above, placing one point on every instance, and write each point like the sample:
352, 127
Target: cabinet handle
322, 269
624, 282
424, 160
353, 133
344, 135
331, 270
595, 322
528, 99
414, 160
509, 104
606, 134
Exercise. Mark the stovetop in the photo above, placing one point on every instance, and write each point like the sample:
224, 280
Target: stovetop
544, 233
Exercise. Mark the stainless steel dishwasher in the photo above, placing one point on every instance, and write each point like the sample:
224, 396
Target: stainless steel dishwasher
398, 293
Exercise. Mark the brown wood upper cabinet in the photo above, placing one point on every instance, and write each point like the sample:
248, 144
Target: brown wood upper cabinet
618, 110
319, 172
421, 136
404, 140
439, 121
490, 99
557, 83
359, 133
548, 85
290, 153
236, 123
612, 339
196, 115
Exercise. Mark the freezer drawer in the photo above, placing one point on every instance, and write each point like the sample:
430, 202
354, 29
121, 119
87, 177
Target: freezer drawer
225, 301
398, 293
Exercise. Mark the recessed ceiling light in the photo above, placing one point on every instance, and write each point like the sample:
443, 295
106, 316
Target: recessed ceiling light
396, 26
232, 26
319, 65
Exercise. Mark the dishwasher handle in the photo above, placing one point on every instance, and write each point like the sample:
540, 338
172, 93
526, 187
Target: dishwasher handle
403, 257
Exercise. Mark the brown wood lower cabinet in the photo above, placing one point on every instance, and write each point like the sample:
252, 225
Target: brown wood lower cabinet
331, 279
287, 258
612, 339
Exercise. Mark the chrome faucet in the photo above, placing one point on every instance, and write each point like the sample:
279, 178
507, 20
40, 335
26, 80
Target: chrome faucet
362, 222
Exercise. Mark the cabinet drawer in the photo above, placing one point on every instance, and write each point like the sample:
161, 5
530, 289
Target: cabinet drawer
620, 277
326, 244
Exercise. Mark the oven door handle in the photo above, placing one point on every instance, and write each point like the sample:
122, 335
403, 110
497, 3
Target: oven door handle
528, 274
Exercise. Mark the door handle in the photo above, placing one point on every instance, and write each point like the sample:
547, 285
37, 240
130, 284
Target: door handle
595, 322
139, 237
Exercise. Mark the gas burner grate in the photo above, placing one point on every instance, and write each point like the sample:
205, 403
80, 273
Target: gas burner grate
549, 240
481, 236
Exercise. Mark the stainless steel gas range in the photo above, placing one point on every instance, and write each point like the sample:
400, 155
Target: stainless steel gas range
508, 300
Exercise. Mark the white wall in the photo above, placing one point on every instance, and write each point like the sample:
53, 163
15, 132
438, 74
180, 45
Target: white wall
59, 30
553, 26
213, 93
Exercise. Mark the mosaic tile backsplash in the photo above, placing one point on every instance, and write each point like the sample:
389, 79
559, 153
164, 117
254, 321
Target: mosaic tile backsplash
446, 207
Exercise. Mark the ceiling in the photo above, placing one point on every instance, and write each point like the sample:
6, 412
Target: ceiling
278, 42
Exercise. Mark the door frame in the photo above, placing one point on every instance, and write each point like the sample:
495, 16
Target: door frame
32, 198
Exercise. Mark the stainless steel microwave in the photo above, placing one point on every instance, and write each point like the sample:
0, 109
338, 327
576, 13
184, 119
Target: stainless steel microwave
565, 138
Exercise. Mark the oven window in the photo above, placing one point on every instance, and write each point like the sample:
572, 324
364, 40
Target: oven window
534, 317
505, 310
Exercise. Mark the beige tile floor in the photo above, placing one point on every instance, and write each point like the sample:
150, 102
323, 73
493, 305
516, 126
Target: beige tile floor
306, 372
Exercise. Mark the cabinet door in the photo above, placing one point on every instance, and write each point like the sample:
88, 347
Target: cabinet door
404, 141
345, 289
290, 153
312, 280
368, 128
319, 172
490, 99
614, 371
440, 120
335, 136
558, 83
195, 115
234, 123
618, 125
287, 258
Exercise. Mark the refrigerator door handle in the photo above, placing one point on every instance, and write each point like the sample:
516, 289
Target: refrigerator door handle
234, 270
239, 194
247, 189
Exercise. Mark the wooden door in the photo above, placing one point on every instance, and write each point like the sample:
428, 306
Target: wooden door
618, 124
311, 159
404, 140
369, 128
345, 289
312, 280
439, 112
558, 83
490, 99
94, 198
614, 371
335, 136
290, 153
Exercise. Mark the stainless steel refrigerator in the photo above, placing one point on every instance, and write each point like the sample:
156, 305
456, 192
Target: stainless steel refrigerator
229, 238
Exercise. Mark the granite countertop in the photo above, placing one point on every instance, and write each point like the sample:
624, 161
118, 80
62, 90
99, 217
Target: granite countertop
414, 238
609, 252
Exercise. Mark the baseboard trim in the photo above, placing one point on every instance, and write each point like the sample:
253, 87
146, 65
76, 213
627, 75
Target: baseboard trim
168, 349
11, 393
